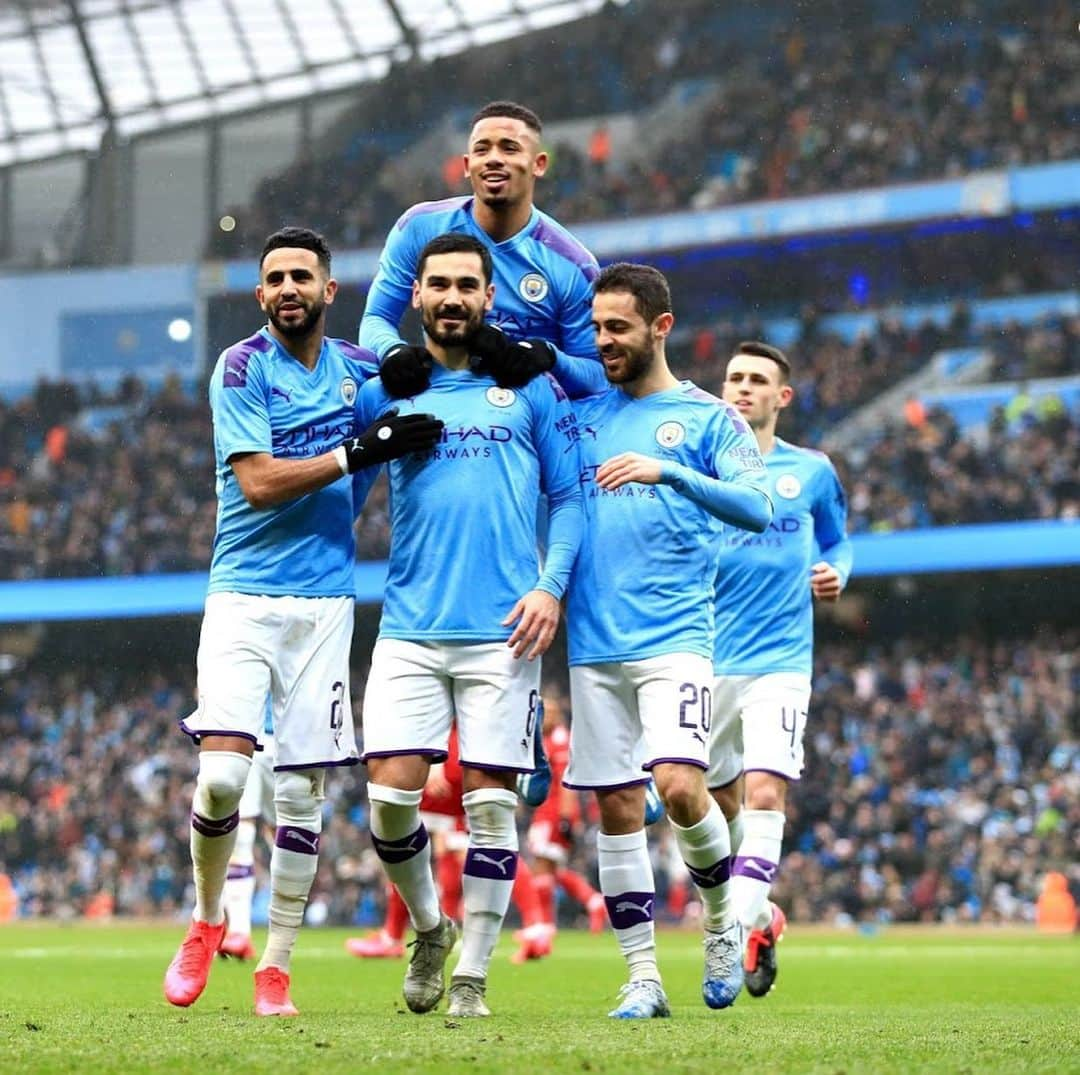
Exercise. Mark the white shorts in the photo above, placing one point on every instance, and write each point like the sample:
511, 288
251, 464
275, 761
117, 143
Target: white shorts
294, 649
417, 690
258, 798
629, 716
758, 725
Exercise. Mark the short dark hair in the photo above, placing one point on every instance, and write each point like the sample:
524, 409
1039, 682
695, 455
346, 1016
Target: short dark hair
456, 242
766, 350
303, 238
511, 110
649, 286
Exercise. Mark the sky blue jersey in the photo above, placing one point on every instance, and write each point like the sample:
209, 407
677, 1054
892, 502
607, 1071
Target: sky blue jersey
463, 545
642, 585
543, 278
264, 400
764, 613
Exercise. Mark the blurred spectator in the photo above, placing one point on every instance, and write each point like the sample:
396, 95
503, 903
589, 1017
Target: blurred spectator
942, 784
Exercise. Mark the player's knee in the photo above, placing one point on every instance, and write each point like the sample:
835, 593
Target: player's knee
220, 783
727, 798
298, 799
681, 789
770, 794
395, 812
491, 817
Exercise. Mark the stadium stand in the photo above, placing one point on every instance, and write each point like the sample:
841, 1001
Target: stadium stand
941, 785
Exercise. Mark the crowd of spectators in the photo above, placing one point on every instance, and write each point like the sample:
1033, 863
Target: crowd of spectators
794, 106
122, 484
942, 783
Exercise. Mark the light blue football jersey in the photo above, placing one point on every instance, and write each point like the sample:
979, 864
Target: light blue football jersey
264, 400
642, 584
543, 278
764, 608
463, 545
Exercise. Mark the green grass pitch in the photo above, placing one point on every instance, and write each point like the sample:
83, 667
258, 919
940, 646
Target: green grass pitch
88, 999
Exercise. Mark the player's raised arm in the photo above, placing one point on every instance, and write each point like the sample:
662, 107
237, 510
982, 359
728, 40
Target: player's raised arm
390, 292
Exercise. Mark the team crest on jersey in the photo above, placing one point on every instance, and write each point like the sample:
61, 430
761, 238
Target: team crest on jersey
348, 391
533, 287
788, 486
670, 434
500, 397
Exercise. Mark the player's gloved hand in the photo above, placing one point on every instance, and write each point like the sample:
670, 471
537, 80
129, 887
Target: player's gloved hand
513, 363
406, 370
390, 437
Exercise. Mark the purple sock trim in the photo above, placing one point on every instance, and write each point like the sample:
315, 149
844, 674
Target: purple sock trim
208, 826
294, 838
238, 873
755, 869
711, 876
394, 851
630, 908
494, 863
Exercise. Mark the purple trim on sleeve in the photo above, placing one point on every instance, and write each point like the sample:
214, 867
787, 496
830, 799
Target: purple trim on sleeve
208, 826
493, 863
629, 909
294, 838
561, 242
367, 360
422, 208
237, 358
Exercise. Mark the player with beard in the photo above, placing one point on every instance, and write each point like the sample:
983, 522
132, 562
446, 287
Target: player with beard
279, 612
542, 274
467, 611
664, 466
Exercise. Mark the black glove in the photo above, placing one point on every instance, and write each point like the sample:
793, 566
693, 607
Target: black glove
390, 437
512, 363
406, 370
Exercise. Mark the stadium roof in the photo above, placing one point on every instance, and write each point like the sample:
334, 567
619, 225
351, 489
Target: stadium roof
72, 69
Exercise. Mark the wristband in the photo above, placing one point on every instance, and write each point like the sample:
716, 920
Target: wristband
342, 458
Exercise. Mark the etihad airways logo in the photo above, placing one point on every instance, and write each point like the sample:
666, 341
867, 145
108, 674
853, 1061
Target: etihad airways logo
470, 442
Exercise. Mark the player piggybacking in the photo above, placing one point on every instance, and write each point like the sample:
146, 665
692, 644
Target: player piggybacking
764, 643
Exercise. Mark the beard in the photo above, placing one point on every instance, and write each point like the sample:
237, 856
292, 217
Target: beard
459, 336
637, 362
295, 330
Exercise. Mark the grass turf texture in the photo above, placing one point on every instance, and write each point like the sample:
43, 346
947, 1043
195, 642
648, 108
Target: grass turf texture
88, 999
